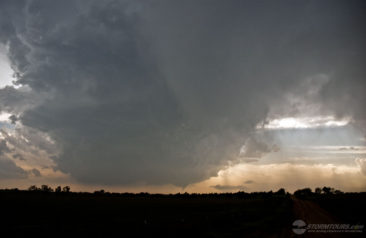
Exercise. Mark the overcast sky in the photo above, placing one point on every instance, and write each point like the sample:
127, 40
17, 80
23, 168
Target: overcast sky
197, 95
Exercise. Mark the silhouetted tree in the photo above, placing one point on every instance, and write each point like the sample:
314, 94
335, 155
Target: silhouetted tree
338, 192
66, 189
303, 192
281, 191
46, 188
33, 188
318, 190
58, 189
328, 190
99, 192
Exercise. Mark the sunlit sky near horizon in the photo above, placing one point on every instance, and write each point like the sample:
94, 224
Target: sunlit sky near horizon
183, 96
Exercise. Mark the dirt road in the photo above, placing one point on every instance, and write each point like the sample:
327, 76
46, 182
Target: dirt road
312, 213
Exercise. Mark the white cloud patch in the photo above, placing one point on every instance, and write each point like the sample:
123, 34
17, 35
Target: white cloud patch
6, 72
303, 122
4, 117
284, 175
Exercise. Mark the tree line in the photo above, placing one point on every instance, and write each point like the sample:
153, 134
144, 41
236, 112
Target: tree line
301, 193
281, 192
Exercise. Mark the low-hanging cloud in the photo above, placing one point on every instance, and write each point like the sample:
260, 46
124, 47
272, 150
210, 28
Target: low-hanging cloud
255, 148
9, 170
3, 147
229, 188
169, 91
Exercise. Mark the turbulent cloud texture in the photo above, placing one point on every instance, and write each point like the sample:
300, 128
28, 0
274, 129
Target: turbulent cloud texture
8, 169
169, 91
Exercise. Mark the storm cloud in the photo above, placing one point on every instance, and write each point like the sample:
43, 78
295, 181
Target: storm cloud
9, 170
161, 92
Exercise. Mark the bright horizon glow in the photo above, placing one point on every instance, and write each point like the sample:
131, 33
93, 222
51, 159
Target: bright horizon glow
303, 123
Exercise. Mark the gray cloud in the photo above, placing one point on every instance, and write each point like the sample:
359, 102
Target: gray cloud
168, 91
9, 170
19, 157
4, 147
36, 172
249, 182
13, 119
29, 140
229, 188
16, 101
255, 148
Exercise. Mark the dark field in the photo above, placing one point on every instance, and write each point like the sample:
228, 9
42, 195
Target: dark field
130, 215
348, 207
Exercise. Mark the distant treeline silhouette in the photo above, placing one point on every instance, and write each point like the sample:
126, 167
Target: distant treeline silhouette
46, 188
301, 193
325, 190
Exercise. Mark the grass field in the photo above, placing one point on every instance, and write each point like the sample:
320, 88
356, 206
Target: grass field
134, 215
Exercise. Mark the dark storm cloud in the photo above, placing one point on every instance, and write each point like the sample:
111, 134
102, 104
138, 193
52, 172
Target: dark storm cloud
16, 100
169, 91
